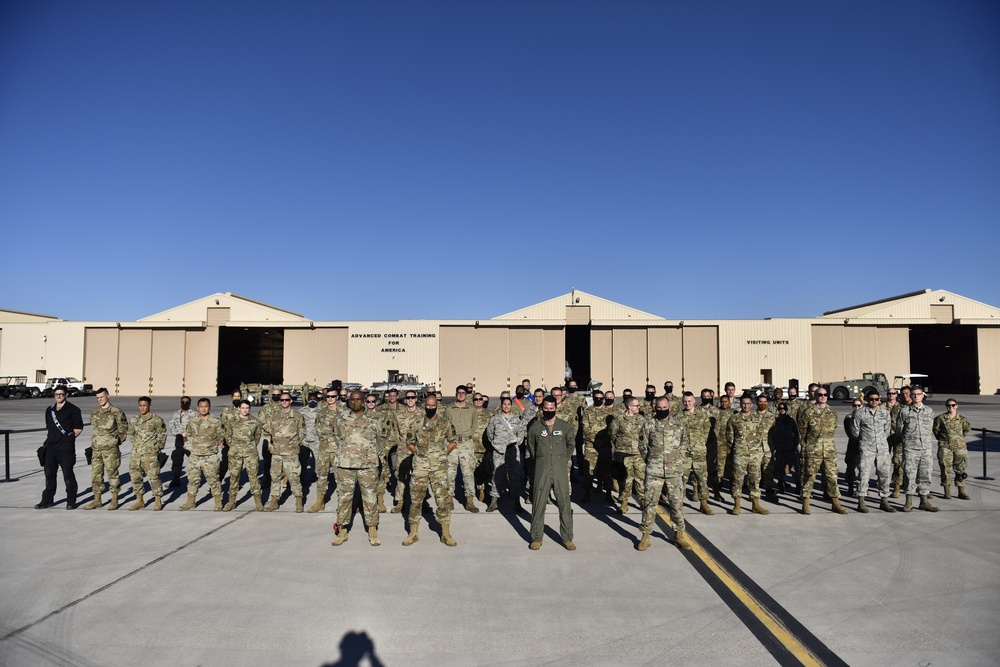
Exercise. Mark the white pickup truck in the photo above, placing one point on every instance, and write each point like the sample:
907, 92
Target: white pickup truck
76, 387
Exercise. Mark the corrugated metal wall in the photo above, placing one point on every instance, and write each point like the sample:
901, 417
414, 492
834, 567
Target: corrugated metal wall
665, 356
134, 357
600, 356
457, 357
701, 360
490, 361
553, 359
746, 347
629, 358
101, 363
416, 352
167, 363
989, 360
201, 363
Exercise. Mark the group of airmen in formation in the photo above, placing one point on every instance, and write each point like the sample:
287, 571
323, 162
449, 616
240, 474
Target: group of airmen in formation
652, 446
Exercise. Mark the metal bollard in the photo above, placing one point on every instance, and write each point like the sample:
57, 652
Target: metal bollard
984, 477
6, 459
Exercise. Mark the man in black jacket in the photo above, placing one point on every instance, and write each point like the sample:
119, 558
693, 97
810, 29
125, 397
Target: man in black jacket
64, 422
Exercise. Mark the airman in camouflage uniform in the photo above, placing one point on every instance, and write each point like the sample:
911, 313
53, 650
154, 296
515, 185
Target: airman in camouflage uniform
628, 439
110, 430
666, 444
228, 412
870, 425
743, 432
594, 422
723, 463
479, 444
707, 406
403, 458
895, 442
358, 447
309, 412
767, 419
388, 412
204, 436
462, 416
817, 424
243, 435
916, 427
950, 430
698, 427
148, 434
265, 412
431, 439
287, 430
326, 451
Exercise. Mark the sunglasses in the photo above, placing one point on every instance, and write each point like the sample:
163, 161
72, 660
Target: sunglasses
371, 402
285, 400
951, 405
821, 395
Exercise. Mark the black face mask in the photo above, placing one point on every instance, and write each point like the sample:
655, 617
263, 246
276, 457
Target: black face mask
430, 412
608, 402
669, 388
706, 400
185, 406
661, 414
236, 403
275, 398
598, 402
547, 415
343, 399
571, 390
650, 395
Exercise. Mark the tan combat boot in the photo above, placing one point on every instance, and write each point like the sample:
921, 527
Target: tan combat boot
908, 506
705, 509
681, 541
885, 506
568, 545
536, 545
189, 504
643, 543
157, 503
257, 502
757, 509
231, 503
411, 537
624, 505
113, 505
947, 491
138, 504
962, 495
446, 538
836, 507
925, 504
340, 537
862, 505
805, 505
895, 491
299, 505
272, 504
319, 505
470, 505
95, 503
397, 508
373, 537
737, 500
381, 505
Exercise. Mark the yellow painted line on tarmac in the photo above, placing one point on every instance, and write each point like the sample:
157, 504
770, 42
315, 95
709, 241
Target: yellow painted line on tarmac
780, 632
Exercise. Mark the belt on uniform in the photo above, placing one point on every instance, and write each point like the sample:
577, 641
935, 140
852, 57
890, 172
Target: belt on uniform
463, 438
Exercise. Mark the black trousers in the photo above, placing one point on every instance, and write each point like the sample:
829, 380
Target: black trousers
60, 456
177, 461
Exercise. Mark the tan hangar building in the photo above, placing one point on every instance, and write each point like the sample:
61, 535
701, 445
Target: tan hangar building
210, 345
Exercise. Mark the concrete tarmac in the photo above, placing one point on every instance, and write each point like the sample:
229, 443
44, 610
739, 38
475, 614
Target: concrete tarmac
247, 588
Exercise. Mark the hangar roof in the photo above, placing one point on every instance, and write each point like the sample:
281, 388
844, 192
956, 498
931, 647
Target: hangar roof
600, 309
241, 309
18, 316
918, 306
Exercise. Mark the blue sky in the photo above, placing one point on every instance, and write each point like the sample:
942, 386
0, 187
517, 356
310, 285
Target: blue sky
464, 159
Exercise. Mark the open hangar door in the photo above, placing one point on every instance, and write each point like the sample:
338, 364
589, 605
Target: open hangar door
250, 355
949, 354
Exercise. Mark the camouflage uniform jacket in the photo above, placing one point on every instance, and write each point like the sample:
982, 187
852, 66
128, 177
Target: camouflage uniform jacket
326, 421
229, 412
309, 415
479, 430
358, 440
287, 431
267, 409
893, 415
916, 426
179, 422
722, 419
242, 434
431, 438
148, 434
951, 431
503, 430
817, 424
795, 406
647, 408
627, 435
110, 427
463, 418
595, 420
528, 409
667, 441
567, 411
698, 427
203, 436
576, 401
743, 432
404, 423
767, 419
870, 428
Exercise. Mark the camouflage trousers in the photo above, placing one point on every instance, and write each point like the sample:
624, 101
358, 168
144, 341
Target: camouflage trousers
367, 480
896, 447
437, 480
148, 464
324, 468
237, 462
403, 465
673, 488
917, 464
464, 454
384, 473
815, 455
747, 464
287, 464
207, 464
635, 473
696, 466
723, 463
953, 462
876, 456
105, 460
590, 458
